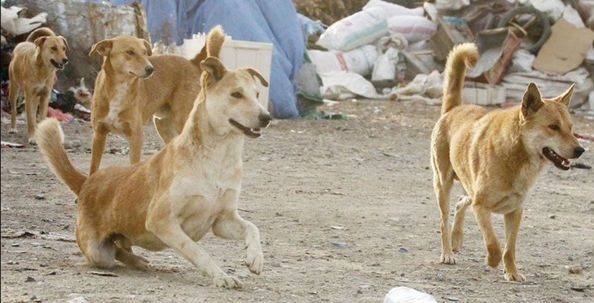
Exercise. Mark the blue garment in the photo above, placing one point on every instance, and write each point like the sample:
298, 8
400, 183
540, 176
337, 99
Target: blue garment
268, 21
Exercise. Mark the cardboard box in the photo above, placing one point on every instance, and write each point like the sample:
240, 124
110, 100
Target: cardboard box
483, 94
450, 31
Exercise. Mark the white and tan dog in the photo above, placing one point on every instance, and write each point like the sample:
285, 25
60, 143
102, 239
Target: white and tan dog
134, 86
496, 156
32, 70
173, 198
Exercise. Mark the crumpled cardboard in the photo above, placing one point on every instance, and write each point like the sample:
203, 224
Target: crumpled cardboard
565, 49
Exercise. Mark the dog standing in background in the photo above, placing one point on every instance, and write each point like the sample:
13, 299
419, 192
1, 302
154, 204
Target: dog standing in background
496, 156
32, 70
134, 86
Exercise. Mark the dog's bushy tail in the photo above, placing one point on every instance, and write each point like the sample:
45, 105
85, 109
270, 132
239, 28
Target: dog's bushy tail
212, 45
461, 57
49, 138
40, 32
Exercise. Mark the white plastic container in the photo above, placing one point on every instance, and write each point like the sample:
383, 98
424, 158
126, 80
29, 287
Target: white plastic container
237, 54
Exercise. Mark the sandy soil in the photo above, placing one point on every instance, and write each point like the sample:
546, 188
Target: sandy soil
345, 209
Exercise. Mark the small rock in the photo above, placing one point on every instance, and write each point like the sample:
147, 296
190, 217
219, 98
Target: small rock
402, 250
39, 197
575, 269
30, 279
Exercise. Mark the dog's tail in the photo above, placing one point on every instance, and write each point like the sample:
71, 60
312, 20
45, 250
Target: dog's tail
212, 46
49, 138
40, 32
461, 57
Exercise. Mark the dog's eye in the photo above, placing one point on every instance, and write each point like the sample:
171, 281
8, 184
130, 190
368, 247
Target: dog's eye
236, 95
54, 48
131, 53
554, 127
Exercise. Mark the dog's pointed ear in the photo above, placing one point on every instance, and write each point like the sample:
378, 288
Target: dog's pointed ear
65, 42
214, 68
147, 45
532, 101
256, 74
565, 98
39, 41
102, 47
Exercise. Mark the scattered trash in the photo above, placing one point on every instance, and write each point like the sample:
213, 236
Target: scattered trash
404, 294
11, 144
402, 250
339, 244
575, 269
103, 274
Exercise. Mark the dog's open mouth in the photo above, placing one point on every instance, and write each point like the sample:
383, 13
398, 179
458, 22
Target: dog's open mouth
250, 132
560, 162
56, 64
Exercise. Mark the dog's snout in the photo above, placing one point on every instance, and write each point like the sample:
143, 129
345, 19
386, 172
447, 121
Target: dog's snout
264, 119
578, 151
149, 69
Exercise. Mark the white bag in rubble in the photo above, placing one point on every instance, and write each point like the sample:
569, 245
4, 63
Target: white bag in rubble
359, 60
343, 85
392, 9
356, 30
451, 4
414, 28
384, 68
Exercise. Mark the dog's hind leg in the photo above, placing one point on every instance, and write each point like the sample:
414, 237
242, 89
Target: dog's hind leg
443, 180
457, 228
13, 93
125, 255
512, 225
483, 218
44, 98
165, 127
232, 226
99, 252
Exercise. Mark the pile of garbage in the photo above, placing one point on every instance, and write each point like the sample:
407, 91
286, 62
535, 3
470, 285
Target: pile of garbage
390, 51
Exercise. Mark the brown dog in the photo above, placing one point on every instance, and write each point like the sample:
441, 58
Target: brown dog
128, 92
496, 156
178, 194
33, 70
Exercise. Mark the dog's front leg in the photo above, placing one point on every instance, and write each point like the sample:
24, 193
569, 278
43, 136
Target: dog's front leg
512, 226
99, 136
232, 226
483, 218
31, 106
159, 222
134, 135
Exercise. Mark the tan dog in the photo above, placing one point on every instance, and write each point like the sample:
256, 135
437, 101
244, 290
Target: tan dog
177, 195
496, 156
33, 70
126, 97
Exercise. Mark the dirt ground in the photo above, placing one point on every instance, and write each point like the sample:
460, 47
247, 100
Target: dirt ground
345, 209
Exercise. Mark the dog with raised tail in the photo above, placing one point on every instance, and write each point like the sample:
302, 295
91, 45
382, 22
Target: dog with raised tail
496, 155
133, 86
176, 196
32, 70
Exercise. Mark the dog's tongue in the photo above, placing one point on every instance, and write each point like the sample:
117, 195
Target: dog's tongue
559, 161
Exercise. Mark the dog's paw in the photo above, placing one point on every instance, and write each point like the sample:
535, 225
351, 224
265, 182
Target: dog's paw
32, 141
255, 261
493, 258
514, 277
227, 281
447, 259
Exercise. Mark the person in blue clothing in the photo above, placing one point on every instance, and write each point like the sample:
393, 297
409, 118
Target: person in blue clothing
273, 22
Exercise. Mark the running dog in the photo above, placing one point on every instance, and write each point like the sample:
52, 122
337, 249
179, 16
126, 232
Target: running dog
32, 70
173, 198
132, 87
496, 156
